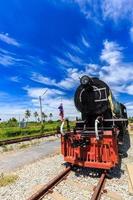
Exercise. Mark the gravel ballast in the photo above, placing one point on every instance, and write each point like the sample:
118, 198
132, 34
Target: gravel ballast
5, 149
33, 176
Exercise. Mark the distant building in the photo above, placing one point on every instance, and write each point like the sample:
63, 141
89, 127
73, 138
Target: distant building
22, 124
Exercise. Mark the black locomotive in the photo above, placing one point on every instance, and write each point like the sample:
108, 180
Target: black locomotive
94, 99
95, 140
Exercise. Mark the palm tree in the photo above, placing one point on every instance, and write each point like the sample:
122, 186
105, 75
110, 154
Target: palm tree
38, 119
50, 116
27, 114
44, 116
35, 115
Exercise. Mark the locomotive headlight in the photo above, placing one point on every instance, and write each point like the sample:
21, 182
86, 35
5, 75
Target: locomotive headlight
84, 80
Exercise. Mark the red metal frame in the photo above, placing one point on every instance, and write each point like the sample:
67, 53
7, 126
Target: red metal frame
101, 153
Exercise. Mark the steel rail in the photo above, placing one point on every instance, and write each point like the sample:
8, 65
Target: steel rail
23, 139
99, 188
48, 187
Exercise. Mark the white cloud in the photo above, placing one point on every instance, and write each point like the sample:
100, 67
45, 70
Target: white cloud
100, 10
72, 77
71, 80
89, 8
116, 73
113, 71
8, 112
92, 69
51, 101
5, 38
6, 60
12, 110
129, 107
3, 94
75, 48
118, 9
36, 92
50, 104
114, 9
72, 53
6, 57
74, 58
12, 107
35, 60
85, 42
67, 83
42, 79
79, 47
119, 74
14, 79
63, 62
5, 51
129, 89
111, 53
131, 33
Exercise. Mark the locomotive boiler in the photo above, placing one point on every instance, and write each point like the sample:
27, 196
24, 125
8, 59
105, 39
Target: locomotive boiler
94, 140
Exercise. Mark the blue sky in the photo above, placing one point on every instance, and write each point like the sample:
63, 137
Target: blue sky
49, 44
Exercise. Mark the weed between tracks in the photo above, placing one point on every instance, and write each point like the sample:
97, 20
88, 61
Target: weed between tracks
23, 146
7, 179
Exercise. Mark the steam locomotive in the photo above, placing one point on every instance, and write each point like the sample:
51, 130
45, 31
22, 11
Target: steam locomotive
94, 140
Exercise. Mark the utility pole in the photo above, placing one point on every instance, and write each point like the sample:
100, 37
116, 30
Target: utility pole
40, 101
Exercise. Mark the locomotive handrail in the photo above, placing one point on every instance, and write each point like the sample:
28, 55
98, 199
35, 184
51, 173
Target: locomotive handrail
116, 120
61, 127
96, 129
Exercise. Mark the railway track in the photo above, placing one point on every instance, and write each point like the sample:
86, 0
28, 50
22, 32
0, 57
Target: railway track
99, 189
48, 188
28, 138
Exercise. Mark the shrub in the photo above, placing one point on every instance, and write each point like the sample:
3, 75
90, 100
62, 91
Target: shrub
7, 179
12, 122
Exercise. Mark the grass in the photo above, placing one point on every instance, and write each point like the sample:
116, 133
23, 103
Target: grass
7, 179
31, 130
5, 148
23, 146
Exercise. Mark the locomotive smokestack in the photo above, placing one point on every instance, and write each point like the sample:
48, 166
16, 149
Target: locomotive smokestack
86, 80
91, 97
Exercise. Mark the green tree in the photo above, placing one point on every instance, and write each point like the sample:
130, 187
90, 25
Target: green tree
27, 114
35, 115
44, 116
13, 119
12, 122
